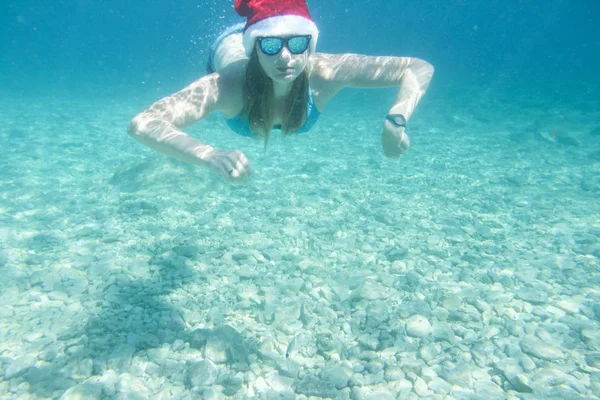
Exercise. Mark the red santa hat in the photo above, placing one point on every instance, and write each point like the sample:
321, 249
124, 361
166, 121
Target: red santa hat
275, 18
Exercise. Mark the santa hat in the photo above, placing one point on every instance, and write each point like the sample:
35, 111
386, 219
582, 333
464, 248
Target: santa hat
275, 18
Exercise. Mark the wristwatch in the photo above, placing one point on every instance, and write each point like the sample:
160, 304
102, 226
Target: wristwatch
397, 119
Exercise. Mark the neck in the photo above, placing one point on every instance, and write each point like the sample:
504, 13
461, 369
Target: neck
282, 89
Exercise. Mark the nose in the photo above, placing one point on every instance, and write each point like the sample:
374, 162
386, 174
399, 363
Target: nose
285, 54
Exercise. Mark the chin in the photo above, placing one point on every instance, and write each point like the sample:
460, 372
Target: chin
288, 78
284, 78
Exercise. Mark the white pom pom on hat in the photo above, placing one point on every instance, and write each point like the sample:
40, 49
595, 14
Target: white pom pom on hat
275, 18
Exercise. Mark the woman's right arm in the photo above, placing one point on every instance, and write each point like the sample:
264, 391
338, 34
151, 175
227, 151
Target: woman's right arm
158, 127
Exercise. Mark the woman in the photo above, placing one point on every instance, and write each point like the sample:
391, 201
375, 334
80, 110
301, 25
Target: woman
267, 75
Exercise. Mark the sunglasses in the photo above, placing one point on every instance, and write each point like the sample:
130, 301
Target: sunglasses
271, 45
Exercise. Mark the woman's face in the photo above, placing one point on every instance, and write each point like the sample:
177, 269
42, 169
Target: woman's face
283, 67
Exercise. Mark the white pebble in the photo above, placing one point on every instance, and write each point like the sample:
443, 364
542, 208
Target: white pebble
420, 387
418, 326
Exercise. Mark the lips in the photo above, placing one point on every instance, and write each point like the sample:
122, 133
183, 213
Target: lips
285, 69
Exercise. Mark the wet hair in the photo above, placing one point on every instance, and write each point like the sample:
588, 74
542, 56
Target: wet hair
259, 101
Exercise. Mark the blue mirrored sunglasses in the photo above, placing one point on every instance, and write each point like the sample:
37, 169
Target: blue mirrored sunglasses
272, 45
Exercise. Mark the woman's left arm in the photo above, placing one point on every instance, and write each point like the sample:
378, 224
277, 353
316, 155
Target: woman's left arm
332, 72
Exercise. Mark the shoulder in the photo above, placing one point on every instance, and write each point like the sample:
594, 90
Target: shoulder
230, 88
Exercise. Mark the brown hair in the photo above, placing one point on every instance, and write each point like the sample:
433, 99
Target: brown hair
259, 101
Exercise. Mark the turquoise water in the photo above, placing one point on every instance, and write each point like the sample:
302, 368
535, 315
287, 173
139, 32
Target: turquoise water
468, 269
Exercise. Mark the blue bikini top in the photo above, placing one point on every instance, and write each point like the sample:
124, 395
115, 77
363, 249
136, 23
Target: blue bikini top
241, 125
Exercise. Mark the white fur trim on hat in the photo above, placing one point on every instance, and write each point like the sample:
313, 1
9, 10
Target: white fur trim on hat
281, 25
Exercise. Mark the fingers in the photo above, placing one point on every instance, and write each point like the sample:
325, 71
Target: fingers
240, 167
404, 141
233, 165
395, 141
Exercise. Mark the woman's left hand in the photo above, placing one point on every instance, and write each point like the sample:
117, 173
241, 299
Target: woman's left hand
394, 140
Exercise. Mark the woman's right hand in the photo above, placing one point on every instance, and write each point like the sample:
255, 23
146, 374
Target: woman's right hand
233, 165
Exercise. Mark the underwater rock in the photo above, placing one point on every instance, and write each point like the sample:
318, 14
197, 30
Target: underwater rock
377, 315
225, 344
488, 390
590, 184
429, 352
420, 387
339, 375
460, 375
593, 360
591, 337
443, 333
549, 377
532, 295
439, 385
409, 281
369, 290
396, 253
201, 373
86, 390
313, 385
158, 355
19, 366
130, 386
121, 357
418, 326
199, 337
537, 348
231, 382
521, 383
303, 344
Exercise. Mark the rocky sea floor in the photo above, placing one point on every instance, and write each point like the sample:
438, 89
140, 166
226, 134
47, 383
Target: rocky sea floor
469, 269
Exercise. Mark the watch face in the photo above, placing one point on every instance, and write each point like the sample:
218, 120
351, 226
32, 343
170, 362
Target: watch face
397, 119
